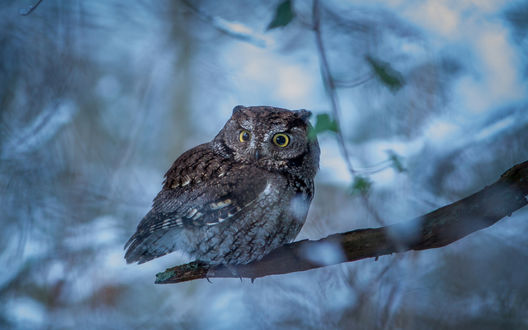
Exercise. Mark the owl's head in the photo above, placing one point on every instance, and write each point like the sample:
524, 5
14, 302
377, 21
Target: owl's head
270, 137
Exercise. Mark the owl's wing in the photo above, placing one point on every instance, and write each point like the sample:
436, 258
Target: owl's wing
203, 203
209, 203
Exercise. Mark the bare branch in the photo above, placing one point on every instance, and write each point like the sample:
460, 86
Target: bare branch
436, 229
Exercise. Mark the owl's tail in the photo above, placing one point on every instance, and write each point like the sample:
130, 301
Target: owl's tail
141, 248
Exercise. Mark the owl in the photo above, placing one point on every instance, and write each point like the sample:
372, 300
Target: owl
234, 199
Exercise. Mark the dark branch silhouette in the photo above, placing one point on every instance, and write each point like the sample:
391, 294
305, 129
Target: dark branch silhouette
436, 229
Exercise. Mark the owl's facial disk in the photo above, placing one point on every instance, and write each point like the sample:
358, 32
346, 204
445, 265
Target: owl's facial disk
266, 136
275, 144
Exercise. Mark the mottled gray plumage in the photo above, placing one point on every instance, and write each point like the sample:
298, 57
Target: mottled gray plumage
236, 198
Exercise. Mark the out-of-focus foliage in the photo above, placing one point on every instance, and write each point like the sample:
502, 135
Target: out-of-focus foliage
395, 161
323, 123
97, 98
360, 185
386, 74
518, 16
283, 15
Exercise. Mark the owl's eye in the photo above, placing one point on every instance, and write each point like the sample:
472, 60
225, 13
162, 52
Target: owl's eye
244, 136
281, 140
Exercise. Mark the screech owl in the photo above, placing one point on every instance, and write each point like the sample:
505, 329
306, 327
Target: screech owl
234, 199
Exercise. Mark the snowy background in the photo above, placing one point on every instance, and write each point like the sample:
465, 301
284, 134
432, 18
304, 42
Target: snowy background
97, 98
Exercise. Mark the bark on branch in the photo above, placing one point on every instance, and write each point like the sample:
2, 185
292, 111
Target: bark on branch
436, 229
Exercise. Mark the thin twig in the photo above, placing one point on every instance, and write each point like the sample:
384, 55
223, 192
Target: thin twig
30, 9
330, 85
354, 83
332, 94
372, 210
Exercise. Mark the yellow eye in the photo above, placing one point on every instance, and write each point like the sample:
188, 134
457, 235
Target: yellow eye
281, 140
244, 136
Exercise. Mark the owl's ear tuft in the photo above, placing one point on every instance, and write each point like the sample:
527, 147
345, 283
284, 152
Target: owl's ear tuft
238, 108
303, 114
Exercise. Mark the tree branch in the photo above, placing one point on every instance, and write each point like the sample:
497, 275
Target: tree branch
436, 229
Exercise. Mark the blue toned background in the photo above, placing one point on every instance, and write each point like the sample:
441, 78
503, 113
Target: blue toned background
97, 98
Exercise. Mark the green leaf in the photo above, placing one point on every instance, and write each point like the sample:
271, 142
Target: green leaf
361, 185
323, 123
283, 15
396, 162
386, 74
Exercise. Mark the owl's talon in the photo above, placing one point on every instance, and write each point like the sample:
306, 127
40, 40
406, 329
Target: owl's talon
233, 271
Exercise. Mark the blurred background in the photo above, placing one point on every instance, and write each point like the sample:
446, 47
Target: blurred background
97, 98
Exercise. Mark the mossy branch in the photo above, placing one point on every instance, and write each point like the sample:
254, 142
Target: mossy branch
436, 229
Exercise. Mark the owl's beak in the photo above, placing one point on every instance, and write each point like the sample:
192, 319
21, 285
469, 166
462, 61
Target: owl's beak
256, 155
